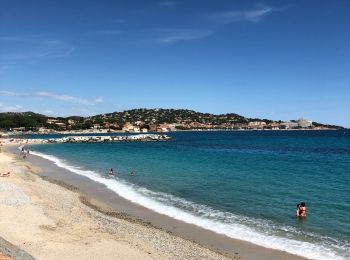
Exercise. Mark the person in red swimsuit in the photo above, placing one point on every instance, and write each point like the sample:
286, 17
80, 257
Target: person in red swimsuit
301, 210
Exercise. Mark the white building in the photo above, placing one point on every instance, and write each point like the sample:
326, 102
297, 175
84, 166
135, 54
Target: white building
304, 123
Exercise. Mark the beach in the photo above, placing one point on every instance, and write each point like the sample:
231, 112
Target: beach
48, 217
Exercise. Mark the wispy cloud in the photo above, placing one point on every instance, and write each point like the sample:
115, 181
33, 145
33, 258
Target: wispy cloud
174, 36
69, 98
8, 93
14, 108
253, 15
65, 98
17, 48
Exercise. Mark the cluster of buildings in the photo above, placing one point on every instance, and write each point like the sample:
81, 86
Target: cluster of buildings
252, 125
300, 123
54, 124
135, 127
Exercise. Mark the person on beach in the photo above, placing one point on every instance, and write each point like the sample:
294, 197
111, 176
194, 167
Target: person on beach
5, 174
111, 173
132, 173
301, 209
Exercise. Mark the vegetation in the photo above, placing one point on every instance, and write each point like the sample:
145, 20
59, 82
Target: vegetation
26, 119
160, 116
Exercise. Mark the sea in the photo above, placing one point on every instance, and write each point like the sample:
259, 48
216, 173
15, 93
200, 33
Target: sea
244, 184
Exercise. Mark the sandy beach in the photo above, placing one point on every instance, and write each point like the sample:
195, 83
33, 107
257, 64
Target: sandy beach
43, 217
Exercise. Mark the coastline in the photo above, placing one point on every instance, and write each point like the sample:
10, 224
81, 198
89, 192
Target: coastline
105, 202
105, 131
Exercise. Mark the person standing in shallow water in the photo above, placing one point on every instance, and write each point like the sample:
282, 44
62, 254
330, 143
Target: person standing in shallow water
111, 172
301, 209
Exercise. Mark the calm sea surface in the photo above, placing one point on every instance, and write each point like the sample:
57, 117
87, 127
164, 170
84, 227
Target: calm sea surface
244, 184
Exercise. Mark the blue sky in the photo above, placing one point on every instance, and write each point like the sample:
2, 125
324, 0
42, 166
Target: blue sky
271, 59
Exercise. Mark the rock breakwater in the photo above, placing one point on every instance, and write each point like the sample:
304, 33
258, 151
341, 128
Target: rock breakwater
103, 139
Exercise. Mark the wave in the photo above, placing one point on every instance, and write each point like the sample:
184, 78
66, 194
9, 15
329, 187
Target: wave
259, 232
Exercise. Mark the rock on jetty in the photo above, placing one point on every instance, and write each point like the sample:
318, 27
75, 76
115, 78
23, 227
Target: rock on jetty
105, 139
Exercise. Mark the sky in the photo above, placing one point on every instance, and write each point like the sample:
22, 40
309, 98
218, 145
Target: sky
280, 60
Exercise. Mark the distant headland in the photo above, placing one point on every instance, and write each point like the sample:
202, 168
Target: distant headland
148, 120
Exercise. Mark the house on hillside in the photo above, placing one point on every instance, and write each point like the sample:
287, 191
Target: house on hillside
289, 125
257, 125
153, 128
52, 121
128, 127
274, 126
304, 123
61, 126
163, 128
96, 126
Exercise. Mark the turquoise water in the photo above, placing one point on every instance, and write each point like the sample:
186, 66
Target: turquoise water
245, 184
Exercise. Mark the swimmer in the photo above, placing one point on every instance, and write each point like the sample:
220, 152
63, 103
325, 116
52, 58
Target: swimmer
111, 173
301, 209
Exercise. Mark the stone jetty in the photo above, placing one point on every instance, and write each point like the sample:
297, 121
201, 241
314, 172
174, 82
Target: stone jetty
93, 139
106, 139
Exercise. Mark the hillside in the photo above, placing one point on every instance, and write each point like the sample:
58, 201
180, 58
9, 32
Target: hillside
180, 118
160, 116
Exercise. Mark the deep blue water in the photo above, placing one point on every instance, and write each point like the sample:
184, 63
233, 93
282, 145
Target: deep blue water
244, 181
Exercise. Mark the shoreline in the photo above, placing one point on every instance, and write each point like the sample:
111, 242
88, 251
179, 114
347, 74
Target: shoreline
48, 220
98, 197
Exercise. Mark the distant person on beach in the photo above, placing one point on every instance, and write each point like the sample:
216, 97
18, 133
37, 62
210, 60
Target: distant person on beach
5, 174
132, 173
111, 173
301, 209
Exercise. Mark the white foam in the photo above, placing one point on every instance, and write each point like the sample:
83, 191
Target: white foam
210, 219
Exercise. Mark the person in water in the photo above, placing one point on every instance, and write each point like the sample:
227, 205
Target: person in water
301, 209
111, 171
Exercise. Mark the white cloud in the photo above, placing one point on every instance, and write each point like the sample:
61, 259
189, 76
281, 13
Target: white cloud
15, 108
29, 48
69, 98
8, 93
253, 15
65, 98
184, 35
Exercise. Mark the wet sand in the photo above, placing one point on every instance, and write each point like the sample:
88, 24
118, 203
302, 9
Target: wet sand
99, 198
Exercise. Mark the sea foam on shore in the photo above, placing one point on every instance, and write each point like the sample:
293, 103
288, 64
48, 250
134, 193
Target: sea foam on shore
258, 232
